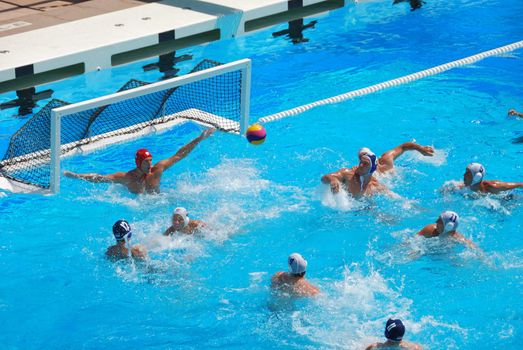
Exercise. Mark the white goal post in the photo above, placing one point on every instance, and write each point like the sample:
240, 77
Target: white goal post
58, 114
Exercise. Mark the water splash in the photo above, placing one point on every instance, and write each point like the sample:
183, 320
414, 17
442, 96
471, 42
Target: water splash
439, 158
349, 313
342, 200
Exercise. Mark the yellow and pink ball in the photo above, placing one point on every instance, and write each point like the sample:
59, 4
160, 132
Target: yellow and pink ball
256, 134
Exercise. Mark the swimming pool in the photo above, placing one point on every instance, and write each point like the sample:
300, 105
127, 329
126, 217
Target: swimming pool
263, 203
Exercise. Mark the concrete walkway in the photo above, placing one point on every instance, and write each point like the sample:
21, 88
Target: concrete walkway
43, 41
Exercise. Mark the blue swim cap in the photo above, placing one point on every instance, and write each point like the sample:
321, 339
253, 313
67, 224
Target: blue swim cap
122, 230
365, 152
394, 330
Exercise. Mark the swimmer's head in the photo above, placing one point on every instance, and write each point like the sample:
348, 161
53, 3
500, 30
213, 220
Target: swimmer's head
297, 264
447, 222
141, 155
473, 174
368, 162
180, 218
394, 330
122, 230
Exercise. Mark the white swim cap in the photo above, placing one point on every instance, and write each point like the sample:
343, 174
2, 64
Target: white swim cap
478, 172
366, 152
450, 221
183, 213
297, 264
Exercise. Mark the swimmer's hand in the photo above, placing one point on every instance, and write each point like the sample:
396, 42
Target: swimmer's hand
335, 186
427, 150
206, 133
70, 174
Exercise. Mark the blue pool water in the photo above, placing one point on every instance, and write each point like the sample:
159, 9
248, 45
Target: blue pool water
263, 203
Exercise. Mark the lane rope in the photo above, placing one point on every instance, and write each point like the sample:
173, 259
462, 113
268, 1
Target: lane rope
394, 82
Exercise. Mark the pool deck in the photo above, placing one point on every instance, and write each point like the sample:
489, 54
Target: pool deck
42, 41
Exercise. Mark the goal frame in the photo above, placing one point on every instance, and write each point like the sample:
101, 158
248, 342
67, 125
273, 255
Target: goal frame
243, 65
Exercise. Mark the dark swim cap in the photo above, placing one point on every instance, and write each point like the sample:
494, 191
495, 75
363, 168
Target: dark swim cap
394, 330
142, 154
122, 230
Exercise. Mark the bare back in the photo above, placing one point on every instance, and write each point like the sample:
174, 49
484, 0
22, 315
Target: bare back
118, 252
403, 345
296, 286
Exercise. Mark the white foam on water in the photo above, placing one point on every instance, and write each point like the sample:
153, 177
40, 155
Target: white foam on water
350, 313
407, 248
452, 186
438, 159
227, 198
492, 202
506, 332
119, 195
237, 176
342, 200
411, 247
500, 203
508, 260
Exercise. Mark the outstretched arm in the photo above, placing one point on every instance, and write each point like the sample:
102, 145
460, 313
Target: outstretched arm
334, 179
97, 178
495, 186
387, 159
460, 238
184, 151
513, 112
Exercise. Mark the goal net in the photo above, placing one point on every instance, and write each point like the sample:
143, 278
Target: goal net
213, 94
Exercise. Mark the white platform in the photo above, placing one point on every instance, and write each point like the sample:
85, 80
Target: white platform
94, 40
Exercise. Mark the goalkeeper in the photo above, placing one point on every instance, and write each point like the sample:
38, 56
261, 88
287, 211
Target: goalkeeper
145, 178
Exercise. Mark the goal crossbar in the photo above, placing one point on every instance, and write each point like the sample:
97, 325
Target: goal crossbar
58, 113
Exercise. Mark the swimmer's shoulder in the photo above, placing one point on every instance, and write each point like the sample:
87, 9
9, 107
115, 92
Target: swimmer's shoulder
278, 277
373, 346
195, 225
110, 252
428, 231
410, 346
114, 254
312, 289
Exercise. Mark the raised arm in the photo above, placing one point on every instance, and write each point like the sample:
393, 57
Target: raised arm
334, 179
97, 178
386, 160
495, 186
184, 151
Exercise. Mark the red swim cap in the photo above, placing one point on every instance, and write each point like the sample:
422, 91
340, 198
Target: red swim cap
142, 154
